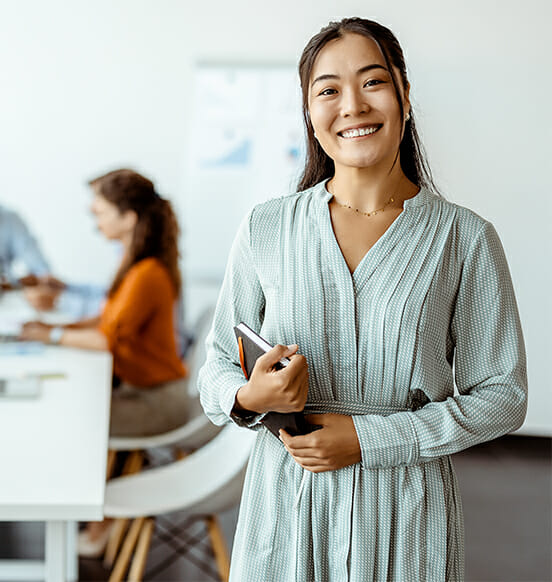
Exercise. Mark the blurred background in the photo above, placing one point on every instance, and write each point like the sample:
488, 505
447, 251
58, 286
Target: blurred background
202, 97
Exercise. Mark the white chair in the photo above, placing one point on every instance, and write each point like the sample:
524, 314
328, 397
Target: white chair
199, 429
192, 435
206, 482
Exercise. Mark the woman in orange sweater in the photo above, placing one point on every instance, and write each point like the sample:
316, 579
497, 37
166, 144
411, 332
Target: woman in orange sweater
137, 324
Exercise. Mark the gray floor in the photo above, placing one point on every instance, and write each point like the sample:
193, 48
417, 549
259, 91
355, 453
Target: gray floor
507, 495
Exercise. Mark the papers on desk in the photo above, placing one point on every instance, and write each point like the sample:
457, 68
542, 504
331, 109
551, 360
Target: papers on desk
16, 348
25, 387
10, 345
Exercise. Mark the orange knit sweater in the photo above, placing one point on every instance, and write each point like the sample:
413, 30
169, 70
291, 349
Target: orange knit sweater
138, 321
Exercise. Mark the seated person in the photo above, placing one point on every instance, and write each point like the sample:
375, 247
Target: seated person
18, 248
137, 322
19, 251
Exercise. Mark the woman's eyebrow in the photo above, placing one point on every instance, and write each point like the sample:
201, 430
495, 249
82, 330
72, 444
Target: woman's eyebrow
330, 76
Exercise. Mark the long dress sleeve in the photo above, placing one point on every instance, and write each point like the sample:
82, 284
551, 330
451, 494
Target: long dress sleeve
241, 299
489, 365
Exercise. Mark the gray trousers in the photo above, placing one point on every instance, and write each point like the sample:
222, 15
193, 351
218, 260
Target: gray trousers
148, 411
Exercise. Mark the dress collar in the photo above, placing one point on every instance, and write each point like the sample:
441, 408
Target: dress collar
424, 196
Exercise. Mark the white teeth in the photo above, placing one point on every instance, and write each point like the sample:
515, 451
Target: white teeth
359, 132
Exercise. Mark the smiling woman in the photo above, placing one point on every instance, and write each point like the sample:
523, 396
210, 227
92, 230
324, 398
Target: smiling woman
388, 67
385, 297
353, 106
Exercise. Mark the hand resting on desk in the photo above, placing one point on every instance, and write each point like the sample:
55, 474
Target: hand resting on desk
89, 338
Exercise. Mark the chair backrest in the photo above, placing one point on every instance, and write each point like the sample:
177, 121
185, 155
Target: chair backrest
207, 481
198, 352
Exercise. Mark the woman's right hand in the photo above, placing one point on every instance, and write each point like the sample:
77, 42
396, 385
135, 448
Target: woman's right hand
283, 390
35, 331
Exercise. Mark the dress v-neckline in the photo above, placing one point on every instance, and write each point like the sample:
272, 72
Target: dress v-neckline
370, 259
366, 257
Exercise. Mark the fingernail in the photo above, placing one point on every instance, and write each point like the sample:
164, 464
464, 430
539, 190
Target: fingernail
293, 347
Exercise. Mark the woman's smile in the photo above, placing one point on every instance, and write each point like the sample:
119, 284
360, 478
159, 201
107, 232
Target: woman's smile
360, 131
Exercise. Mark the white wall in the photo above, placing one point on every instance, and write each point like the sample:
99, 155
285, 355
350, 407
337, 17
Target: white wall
90, 86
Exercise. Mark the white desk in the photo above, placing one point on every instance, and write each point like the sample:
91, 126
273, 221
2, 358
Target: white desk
53, 454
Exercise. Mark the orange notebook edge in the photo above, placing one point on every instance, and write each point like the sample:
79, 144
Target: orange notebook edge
242, 358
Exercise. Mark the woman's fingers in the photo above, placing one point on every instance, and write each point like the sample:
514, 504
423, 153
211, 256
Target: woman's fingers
281, 390
28, 327
32, 325
305, 454
34, 330
332, 447
301, 444
267, 361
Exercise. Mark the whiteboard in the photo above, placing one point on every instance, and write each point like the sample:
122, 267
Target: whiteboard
245, 146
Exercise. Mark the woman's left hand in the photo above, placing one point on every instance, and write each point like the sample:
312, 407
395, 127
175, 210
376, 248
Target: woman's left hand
35, 331
332, 447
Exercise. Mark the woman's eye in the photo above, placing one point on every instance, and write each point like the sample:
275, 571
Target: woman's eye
373, 82
328, 92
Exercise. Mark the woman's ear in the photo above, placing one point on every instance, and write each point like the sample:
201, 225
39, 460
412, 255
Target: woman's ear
130, 219
406, 101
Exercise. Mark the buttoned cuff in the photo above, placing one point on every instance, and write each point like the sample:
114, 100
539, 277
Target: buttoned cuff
245, 419
387, 441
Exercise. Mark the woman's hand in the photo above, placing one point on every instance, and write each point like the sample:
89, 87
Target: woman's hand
41, 297
88, 338
282, 390
35, 331
332, 447
42, 293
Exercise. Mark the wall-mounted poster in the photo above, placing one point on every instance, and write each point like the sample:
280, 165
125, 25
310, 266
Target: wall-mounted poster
245, 146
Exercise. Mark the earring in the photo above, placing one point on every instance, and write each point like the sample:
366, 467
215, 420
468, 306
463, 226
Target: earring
407, 116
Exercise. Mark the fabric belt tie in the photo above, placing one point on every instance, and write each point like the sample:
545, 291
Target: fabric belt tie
348, 408
351, 408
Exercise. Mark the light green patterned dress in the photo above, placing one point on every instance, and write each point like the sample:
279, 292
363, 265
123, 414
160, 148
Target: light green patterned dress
434, 291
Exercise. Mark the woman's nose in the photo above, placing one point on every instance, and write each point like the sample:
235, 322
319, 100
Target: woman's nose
353, 103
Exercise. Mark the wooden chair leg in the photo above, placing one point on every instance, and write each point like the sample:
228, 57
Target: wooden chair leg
114, 542
111, 458
133, 464
220, 548
121, 565
179, 453
140, 556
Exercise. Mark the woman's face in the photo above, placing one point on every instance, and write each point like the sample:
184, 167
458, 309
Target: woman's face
353, 106
113, 224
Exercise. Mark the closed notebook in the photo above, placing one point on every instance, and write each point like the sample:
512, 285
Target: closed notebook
252, 346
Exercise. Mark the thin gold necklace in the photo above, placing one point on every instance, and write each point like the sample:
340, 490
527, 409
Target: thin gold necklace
372, 213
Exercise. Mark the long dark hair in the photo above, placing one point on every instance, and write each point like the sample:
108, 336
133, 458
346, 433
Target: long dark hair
156, 231
318, 165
